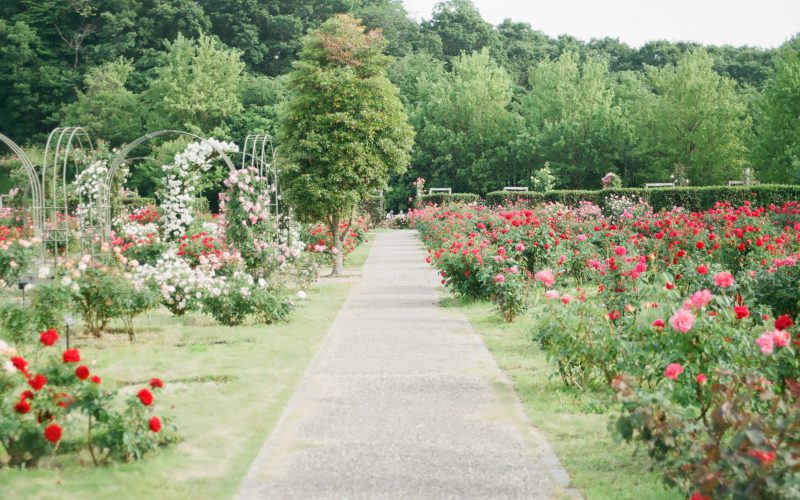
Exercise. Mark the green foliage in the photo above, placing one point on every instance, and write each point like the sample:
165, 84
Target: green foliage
466, 134
102, 294
691, 198
16, 322
443, 199
543, 180
572, 119
345, 131
49, 303
693, 120
107, 108
777, 148
459, 26
196, 88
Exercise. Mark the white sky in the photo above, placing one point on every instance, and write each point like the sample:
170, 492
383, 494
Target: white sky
761, 23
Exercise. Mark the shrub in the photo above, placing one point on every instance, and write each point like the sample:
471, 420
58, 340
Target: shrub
40, 394
49, 302
442, 199
690, 198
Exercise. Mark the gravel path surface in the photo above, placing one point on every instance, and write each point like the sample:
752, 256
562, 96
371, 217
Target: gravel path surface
403, 400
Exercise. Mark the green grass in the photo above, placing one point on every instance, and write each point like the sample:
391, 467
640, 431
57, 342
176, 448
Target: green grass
575, 424
225, 388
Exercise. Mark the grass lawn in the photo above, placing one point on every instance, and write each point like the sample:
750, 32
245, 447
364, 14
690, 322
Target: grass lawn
225, 387
574, 423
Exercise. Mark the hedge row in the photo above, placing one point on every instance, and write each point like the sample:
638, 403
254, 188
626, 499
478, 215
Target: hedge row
691, 198
445, 198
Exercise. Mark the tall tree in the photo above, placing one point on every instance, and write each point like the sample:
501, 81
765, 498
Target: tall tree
777, 148
572, 119
345, 131
107, 109
465, 129
460, 27
692, 123
197, 87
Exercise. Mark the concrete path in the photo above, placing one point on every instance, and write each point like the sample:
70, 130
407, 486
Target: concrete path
403, 401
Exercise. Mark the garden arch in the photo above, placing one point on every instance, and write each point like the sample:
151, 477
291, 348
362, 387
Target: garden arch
259, 152
62, 145
122, 156
37, 194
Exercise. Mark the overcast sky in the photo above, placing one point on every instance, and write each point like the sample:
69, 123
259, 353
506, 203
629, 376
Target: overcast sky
761, 23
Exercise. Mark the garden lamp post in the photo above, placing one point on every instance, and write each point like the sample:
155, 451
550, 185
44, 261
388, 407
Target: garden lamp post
68, 322
23, 283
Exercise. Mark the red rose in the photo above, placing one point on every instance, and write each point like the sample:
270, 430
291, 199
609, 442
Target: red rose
52, 433
155, 424
19, 363
669, 286
699, 496
702, 269
614, 314
741, 312
37, 382
48, 337
96, 379
783, 322
82, 372
64, 400
145, 396
699, 245
71, 356
22, 407
659, 323
156, 383
26, 395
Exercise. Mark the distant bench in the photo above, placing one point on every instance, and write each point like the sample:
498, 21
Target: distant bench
515, 188
651, 185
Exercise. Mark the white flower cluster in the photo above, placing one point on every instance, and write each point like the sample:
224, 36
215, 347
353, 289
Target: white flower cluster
182, 176
88, 187
136, 232
181, 285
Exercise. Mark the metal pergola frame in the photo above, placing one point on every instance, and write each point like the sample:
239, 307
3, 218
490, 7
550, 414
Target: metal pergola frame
122, 157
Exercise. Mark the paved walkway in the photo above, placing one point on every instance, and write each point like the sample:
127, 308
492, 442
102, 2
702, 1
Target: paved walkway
403, 401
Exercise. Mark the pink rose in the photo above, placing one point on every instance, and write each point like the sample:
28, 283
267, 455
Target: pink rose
723, 279
673, 370
520, 247
682, 320
551, 294
766, 343
566, 298
546, 277
701, 378
780, 338
700, 298
620, 250
499, 279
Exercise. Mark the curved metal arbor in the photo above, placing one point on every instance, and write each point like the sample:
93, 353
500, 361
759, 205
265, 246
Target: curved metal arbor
58, 170
35, 187
258, 152
119, 160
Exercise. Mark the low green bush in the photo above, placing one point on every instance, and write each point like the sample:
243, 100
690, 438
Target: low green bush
445, 198
691, 198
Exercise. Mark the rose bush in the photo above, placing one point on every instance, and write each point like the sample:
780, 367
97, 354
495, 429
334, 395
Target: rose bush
659, 310
45, 398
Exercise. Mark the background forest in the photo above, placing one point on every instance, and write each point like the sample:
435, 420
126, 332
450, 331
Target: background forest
489, 104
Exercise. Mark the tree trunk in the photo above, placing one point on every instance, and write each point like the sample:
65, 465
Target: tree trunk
338, 257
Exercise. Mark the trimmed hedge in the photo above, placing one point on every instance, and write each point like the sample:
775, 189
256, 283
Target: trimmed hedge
442, 199
691, 198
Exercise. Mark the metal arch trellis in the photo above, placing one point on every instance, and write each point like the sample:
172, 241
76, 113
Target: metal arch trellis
122, 156
37, 195
62, 144
259, 152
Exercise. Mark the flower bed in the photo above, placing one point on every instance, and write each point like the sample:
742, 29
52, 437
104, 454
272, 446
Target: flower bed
684, 319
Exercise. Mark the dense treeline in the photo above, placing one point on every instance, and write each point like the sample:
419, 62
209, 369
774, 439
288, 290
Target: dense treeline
489, 104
